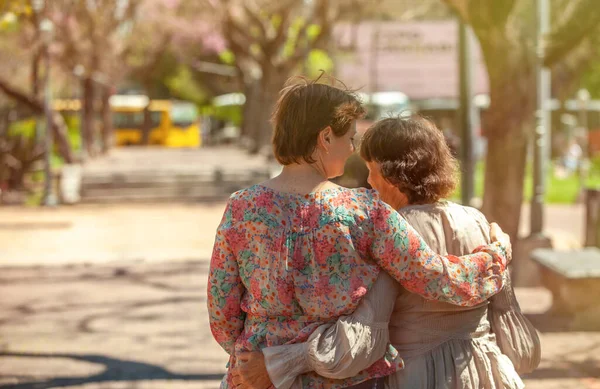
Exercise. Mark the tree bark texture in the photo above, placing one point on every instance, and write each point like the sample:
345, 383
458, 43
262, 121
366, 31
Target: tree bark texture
267, 95
107, 125
508, 126
87, 121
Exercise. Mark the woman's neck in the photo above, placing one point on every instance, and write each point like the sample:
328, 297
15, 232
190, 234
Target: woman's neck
300, 178
393, 197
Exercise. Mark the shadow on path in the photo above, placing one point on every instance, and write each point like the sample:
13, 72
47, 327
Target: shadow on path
115, 370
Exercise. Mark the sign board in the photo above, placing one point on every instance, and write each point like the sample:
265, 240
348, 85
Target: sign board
416, 58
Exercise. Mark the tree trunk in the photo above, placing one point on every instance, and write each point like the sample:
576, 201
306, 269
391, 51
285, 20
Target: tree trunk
35, 74
146, 126
61, 137
268, 93
507, 126
4, 121
504, 176
107, 127
87, 120
250, 109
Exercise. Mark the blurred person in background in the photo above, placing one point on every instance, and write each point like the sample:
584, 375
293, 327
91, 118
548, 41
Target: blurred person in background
298, 251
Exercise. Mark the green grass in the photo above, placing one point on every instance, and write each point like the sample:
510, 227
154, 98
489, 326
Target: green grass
558, 190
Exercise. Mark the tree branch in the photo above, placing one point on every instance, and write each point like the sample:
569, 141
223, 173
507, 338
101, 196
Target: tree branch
271, 46
21, 97
231, 30
256, 20
582, 21
460, 7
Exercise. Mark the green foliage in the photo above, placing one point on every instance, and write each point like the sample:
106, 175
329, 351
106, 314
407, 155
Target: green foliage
559, 190
182, 85
318, 60
591, 80
313, 31
229, 113
227, 57
72, 122
292, 37
25, 128
275, 20
9, 22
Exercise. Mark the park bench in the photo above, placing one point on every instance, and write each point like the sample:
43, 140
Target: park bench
573, 278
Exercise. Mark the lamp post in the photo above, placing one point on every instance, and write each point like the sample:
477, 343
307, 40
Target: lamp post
79, 72
466, 113
38, 7
541, 145
374, 62
583, 98
46, 31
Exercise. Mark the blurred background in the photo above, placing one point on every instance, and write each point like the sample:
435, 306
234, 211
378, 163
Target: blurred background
126, 124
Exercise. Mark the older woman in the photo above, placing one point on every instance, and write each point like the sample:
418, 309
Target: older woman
298, 251
442, 345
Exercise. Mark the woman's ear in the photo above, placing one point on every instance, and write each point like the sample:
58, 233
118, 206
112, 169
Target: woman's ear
325, 138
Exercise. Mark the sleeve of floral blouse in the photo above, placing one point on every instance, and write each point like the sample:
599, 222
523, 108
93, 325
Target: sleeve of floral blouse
225, 290
400, 251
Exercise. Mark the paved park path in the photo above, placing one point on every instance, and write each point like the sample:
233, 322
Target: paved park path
114, 297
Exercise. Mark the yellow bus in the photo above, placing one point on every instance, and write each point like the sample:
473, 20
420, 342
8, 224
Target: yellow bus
172, 123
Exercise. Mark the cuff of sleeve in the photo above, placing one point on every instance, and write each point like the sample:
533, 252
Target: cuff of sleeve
285, 363
500, 256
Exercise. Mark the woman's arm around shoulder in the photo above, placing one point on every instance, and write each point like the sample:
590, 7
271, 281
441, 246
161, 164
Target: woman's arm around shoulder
467, 281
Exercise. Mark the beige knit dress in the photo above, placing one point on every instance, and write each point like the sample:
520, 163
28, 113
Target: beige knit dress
442, 345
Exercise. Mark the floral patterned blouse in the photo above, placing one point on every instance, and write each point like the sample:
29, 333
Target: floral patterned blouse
284, 263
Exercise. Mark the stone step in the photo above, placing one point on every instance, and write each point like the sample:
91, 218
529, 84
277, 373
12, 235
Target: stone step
115, 186
159, 194
148, 175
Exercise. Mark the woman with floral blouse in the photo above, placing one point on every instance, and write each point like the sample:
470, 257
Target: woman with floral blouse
298, 251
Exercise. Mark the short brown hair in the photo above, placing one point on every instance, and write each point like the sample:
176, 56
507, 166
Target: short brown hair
413, 156
303, 110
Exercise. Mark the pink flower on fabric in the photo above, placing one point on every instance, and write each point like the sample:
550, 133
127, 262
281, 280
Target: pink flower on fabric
415, 285
414, 242
381, 368
255, 289
285, 291
389, 249
357, 288
231, 308
238, 208
322, 287
218, 260
265, 200
344, 198
380, 218
309, 215
453, 258
481, 265
323, 250
298, 261
237, 239
363, 243
465, 288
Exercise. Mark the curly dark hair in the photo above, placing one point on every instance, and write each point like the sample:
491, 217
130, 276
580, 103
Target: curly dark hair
413, 156
303, 110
